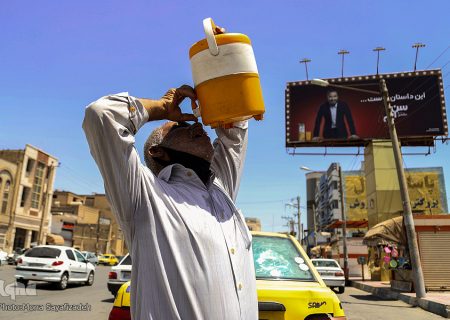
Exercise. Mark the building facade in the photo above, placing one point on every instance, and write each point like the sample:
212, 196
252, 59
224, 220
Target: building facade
253, 224
26, 189
426, 188
86, 223
365, 204
312, 182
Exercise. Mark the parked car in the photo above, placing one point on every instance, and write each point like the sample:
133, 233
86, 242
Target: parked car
120, 258
58, 264
12, 257
108, 259
331, 273
119, 274
91, 257
288, 285
3, 257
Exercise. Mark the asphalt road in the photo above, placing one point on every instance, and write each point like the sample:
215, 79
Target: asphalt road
43, 303
360, 305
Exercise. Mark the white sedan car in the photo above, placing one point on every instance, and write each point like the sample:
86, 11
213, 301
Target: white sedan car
119, 274
331, 273
58, 264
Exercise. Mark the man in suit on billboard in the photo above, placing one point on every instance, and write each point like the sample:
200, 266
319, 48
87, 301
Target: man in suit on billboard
335, 113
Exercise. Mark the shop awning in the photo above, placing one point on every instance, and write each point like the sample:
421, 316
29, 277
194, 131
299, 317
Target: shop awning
350, 224
318, 249
389, 232
55, 239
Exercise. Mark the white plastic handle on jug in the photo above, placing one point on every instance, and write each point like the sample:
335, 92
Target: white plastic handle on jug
208, 26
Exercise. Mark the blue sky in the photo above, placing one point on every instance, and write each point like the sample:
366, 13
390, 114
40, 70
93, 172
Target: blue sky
58, 56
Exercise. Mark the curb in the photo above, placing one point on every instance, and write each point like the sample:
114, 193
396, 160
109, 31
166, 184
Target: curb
428, 305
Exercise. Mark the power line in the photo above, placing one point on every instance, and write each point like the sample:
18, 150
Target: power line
442, 53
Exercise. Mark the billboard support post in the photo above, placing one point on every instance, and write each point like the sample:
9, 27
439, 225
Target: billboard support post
419, 283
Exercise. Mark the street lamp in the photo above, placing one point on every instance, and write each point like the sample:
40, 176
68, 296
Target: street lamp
305, 61
324, 83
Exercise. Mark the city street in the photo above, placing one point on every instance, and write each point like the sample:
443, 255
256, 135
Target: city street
358, 305
97, 298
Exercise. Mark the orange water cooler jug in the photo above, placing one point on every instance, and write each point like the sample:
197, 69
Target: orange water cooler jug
226, 78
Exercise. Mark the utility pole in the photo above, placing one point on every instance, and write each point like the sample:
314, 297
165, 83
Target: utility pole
417, 46
305, 61
315, 226
419, 283
344, 222
300, 229
298, 214
290, 224
378, 49
343, 53
97, 244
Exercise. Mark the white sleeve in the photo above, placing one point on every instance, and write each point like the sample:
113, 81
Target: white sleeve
230, 149
110, 124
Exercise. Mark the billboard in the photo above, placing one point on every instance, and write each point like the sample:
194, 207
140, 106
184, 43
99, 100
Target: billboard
355, 197
426, 188
337, 115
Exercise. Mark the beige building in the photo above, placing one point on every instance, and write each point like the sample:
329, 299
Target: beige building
26, 189
86, 223
253, 224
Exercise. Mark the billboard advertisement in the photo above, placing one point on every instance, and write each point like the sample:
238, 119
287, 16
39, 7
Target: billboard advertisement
343, 113
426, 190
355, 197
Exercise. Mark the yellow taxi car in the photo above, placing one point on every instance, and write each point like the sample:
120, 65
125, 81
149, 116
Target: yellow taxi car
108, 259
121, 307
289, 287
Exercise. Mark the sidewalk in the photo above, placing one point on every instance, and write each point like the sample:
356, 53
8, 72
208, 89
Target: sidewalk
436, 301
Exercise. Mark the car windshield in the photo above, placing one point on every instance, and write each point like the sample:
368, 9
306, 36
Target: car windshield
278, 258
105, 256
325, 263
43, 252
126, 261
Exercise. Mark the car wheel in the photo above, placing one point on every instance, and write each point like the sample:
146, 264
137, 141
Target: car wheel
62, 284
341, 289
90, 279
22, 281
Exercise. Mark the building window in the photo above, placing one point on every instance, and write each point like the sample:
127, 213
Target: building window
30, 165
37, 186
49, 171
334, 204
5, 196
25, 196
334, 185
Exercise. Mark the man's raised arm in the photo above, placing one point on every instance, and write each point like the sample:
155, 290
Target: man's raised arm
230, 149
110, 124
